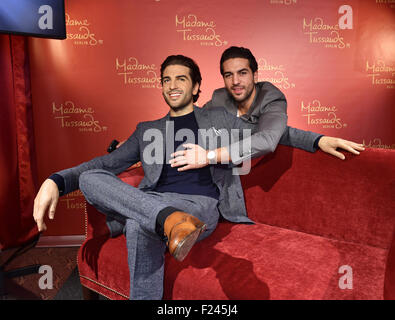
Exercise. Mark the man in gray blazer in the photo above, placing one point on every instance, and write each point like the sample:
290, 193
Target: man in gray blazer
170, 207
263, 104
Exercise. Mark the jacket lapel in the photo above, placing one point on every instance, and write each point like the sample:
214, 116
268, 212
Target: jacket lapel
204, 122
154, 170
202, 118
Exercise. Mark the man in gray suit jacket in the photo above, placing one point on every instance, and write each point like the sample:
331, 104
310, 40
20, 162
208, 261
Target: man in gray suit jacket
264, 105
170, 207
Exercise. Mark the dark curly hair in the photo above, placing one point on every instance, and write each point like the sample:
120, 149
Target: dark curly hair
194, 71
238, 52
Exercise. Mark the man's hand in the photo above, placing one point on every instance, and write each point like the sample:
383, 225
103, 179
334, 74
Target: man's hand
330, 144
46, 200
193, 157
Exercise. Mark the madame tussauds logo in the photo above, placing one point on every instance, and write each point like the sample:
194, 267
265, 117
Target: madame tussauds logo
275, 74
71, 116
381, 74
135, 73
377, 143
204, 32
80, 32
319, 32
324, 116
74, 200
391, 3
283, 2
329, 35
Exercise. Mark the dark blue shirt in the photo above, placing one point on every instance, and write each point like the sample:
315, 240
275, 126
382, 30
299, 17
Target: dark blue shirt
193, 181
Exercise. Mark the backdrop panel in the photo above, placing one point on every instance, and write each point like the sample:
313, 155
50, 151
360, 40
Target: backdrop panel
334, 62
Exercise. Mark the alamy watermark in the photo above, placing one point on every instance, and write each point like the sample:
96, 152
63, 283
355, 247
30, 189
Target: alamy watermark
46, 280
236, 141
346, 280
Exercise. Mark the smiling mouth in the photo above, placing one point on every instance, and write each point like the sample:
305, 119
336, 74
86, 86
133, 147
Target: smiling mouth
237, 90
174, 95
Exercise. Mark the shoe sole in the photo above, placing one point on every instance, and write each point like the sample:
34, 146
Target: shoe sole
186, 245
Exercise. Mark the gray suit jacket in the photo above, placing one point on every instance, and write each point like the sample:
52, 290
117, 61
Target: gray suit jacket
269, 113
214, 121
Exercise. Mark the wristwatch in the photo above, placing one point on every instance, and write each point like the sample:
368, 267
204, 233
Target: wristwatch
211, 157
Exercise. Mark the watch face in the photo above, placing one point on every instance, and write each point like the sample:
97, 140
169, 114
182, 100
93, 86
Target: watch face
211, 155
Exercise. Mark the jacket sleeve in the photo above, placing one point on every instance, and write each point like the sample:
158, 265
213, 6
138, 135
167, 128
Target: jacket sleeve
116, 162
271, 128
301, 139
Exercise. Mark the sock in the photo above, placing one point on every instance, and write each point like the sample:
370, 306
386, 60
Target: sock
160, 221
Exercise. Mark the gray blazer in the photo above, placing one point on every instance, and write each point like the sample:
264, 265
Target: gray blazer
269, 113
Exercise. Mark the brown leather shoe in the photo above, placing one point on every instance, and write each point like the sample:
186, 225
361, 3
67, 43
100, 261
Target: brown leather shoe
182, 231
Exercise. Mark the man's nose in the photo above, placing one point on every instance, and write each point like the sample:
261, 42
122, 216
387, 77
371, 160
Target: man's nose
173, 84
235, 79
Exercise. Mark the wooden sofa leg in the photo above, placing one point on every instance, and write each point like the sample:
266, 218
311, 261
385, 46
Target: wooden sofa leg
89, 294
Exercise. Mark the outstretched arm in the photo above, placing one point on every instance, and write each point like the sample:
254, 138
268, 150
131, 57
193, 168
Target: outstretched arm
194, 156
311, 141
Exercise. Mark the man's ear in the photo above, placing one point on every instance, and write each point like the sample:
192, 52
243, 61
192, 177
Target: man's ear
195, 89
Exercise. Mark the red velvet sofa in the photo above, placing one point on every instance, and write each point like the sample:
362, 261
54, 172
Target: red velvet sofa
321, 223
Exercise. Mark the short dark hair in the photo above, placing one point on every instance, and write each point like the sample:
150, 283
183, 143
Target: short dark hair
238, 52
194, 71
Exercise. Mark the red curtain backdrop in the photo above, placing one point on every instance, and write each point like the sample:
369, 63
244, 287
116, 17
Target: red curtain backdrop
17, 158
334, 63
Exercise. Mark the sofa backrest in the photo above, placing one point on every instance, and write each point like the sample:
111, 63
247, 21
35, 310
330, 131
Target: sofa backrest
351, 200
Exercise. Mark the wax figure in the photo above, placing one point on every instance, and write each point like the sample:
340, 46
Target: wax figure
170, 207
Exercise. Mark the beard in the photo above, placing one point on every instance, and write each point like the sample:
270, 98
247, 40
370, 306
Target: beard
243, 98
186, 101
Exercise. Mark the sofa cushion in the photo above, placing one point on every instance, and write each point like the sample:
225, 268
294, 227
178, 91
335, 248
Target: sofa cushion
246, 262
